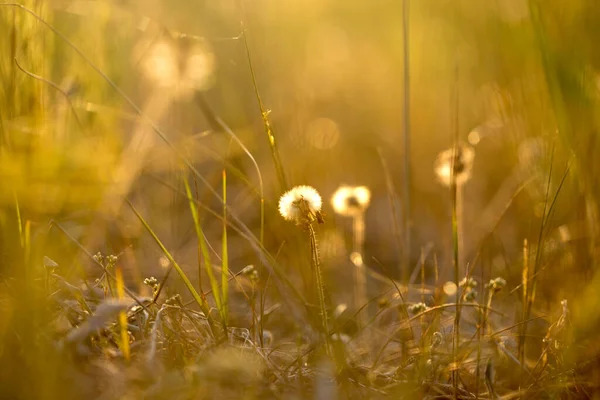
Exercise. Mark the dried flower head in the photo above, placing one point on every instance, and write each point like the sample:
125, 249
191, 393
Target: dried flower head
470, 295
461, 158
495, 285
469, 283
417, 308
436, 339
301, 204
351, 200
251, 273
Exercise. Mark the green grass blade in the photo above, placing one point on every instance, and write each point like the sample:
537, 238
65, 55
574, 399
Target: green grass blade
201, 302
203, 247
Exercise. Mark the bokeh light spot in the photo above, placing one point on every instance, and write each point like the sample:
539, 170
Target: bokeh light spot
323, 133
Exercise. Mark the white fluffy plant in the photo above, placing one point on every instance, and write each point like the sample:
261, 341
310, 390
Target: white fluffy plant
302, 205
353, 201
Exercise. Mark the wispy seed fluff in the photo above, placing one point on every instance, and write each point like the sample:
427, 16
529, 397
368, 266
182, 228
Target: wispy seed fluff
351, 200
461, 158
300, 204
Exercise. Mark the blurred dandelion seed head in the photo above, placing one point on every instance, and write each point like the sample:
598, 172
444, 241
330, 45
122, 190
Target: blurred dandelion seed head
351, 201
461, 159
184, 68
300, 204
160, 66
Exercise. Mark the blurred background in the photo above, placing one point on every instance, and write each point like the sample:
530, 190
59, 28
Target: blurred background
89, 88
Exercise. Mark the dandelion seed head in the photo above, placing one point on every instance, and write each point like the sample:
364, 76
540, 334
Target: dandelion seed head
161, 64
300, 204
180, 66
461, 158
351, 200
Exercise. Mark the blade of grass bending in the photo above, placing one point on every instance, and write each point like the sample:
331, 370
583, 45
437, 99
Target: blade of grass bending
203, 305
124, 343
203, 247
224, 256
265, 117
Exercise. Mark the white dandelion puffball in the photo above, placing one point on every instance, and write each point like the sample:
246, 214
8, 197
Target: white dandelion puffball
351, 200
300, 203
461, 158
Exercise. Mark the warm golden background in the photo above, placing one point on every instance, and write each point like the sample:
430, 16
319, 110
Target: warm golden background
84, 92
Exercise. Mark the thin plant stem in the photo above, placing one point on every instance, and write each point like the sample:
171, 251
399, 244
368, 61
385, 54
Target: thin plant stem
406, 134
483, 321
525, 278
225, 257
455, 252
320, 283
391, 190
265, 117
360, 276
460, 229
454, 190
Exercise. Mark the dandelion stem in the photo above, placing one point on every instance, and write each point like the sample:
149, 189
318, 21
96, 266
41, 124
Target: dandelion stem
454, 189
319, 276
406, 134
360, 277
455, 248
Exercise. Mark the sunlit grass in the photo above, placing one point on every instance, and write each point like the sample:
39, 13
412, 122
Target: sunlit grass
138, 140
